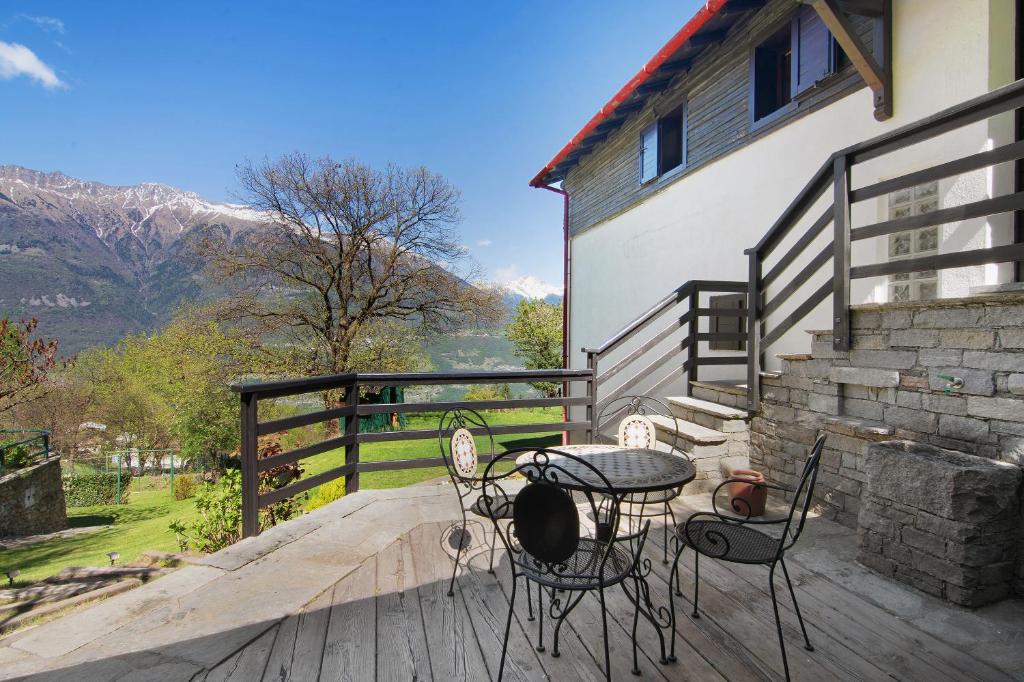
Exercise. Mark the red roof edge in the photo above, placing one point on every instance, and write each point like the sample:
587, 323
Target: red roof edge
709, 10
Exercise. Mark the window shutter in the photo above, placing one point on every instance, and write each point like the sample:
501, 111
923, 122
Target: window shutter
812, 44
649, 153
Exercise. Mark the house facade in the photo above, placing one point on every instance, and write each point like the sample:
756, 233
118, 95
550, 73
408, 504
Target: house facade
706, 147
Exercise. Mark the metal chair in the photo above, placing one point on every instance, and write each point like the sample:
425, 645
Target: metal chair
637, 430
545, 543
461, 458
738, 540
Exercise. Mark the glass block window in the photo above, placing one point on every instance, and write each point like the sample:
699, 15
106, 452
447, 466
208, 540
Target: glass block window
914, 286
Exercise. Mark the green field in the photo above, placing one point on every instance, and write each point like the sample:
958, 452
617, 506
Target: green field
141, 524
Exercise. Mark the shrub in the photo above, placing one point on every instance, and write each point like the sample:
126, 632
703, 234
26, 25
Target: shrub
16, 456
327, 493
220, 516
489, 392
184, 487
85, 490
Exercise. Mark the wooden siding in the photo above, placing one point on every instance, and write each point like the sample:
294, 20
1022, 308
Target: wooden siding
717, 92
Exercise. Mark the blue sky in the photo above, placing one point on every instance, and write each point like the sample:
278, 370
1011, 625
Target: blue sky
485, 93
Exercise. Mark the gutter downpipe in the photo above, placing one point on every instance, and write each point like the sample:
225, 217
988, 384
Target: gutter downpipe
565, 297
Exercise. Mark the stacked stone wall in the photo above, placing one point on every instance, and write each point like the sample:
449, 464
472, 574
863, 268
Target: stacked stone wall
32, 500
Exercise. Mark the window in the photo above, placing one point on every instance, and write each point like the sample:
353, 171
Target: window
914, 286
663, 145
793, 59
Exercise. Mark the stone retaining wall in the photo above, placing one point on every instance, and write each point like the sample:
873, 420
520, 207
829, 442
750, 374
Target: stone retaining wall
889, 385
32, 500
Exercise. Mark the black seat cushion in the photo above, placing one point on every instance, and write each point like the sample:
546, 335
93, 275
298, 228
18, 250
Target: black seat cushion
500, 507
729, 541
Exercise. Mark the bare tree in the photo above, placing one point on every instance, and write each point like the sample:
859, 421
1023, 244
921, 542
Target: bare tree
346, 248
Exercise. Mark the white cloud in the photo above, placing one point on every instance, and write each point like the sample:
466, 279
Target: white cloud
17, 60
48, 24
509, 274
484, 242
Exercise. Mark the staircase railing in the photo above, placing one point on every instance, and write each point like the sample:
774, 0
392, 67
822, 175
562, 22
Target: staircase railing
836, 174
662, 352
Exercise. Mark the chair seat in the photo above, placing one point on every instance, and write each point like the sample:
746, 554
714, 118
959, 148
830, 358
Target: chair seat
656, 497
500, 508
729, 541
580, 571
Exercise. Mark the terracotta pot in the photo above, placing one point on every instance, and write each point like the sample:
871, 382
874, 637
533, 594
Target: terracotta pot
747, 499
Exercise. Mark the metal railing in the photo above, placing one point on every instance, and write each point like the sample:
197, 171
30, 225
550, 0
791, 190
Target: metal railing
35, 441
836, 173
350, 437
664, 355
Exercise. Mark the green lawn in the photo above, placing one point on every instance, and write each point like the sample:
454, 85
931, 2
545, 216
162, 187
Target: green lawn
129, 529
141, 524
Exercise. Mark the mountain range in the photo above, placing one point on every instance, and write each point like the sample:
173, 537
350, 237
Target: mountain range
95, 262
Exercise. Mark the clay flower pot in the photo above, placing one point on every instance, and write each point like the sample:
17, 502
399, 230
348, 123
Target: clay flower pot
745, 498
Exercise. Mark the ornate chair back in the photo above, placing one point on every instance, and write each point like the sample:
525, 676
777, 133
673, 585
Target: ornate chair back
458, 446
804, 493
545, 533
636, 428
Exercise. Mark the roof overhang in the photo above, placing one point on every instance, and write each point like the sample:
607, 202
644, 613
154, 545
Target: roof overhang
706, 29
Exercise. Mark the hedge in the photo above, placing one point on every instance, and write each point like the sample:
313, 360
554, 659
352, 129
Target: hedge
84, 490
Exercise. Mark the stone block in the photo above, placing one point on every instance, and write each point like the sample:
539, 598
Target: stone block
915, 338
32, 500
863, 409
947, 317
976, 339
1015, 384
865, 320
1011, 338
1009, 409
1004, 316
937, 357
976, 381
895, 319
913, 382
867, 341
1000, 361
913, 420
888, 359
826, 404
944, 404
964, 428
909, 399
926, 542
865, 376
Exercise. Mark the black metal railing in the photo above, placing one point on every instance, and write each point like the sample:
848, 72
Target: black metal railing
836, 173
34, 443
350, 437
664, 353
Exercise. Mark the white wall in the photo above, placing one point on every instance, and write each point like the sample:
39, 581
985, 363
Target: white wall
696, 228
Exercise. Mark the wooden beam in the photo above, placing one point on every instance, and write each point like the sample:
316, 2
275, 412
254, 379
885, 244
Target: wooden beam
707, 38
677, 65
864, 8
654, 85
878, 78
738, 6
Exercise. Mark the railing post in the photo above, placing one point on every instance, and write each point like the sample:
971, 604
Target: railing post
352, 430
592, 394
693, 374
250, 473
841, 255
754, 332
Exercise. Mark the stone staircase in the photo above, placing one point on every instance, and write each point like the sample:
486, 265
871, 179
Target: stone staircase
711, 429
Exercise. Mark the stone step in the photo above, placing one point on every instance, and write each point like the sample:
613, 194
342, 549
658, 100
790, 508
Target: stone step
712, 415
729, 393
714, 454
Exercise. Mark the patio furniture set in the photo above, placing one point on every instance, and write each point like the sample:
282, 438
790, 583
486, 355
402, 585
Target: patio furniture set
573, 520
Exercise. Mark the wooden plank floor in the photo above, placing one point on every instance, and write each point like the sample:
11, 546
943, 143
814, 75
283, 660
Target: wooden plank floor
391, 619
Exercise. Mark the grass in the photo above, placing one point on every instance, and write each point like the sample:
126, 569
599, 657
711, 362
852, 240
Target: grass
129, 529
141, 525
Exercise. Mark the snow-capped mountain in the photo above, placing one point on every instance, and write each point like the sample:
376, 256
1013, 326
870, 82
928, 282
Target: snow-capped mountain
532, 288
93, 261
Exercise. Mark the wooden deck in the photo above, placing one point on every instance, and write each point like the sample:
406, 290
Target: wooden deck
388, 617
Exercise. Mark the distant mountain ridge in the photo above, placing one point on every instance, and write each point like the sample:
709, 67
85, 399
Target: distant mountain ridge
94, 262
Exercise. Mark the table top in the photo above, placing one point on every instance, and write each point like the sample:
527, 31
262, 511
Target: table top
629, 470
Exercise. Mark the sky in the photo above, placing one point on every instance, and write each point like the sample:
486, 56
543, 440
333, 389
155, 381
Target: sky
484, 93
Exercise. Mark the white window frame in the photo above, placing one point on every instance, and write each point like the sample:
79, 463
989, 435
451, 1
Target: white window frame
649, 148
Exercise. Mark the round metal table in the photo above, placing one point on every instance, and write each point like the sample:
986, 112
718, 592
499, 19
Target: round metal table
628, 470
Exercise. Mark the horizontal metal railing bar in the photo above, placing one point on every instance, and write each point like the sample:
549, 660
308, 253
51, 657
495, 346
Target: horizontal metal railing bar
800, 313
722, 360
976, 209
510, 404
303, 452
811, 192
411, 463
285, 423
958, 259
1008, 152
497, 430
799, 280
605, 375
721, 336
674, 297
444, 378
286, 387
798, 247
304, 484
649, 369
980, 108
721, 312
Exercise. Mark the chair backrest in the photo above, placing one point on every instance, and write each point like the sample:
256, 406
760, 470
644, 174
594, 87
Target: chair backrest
458, 444
804, 492
545, 529
635, 427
